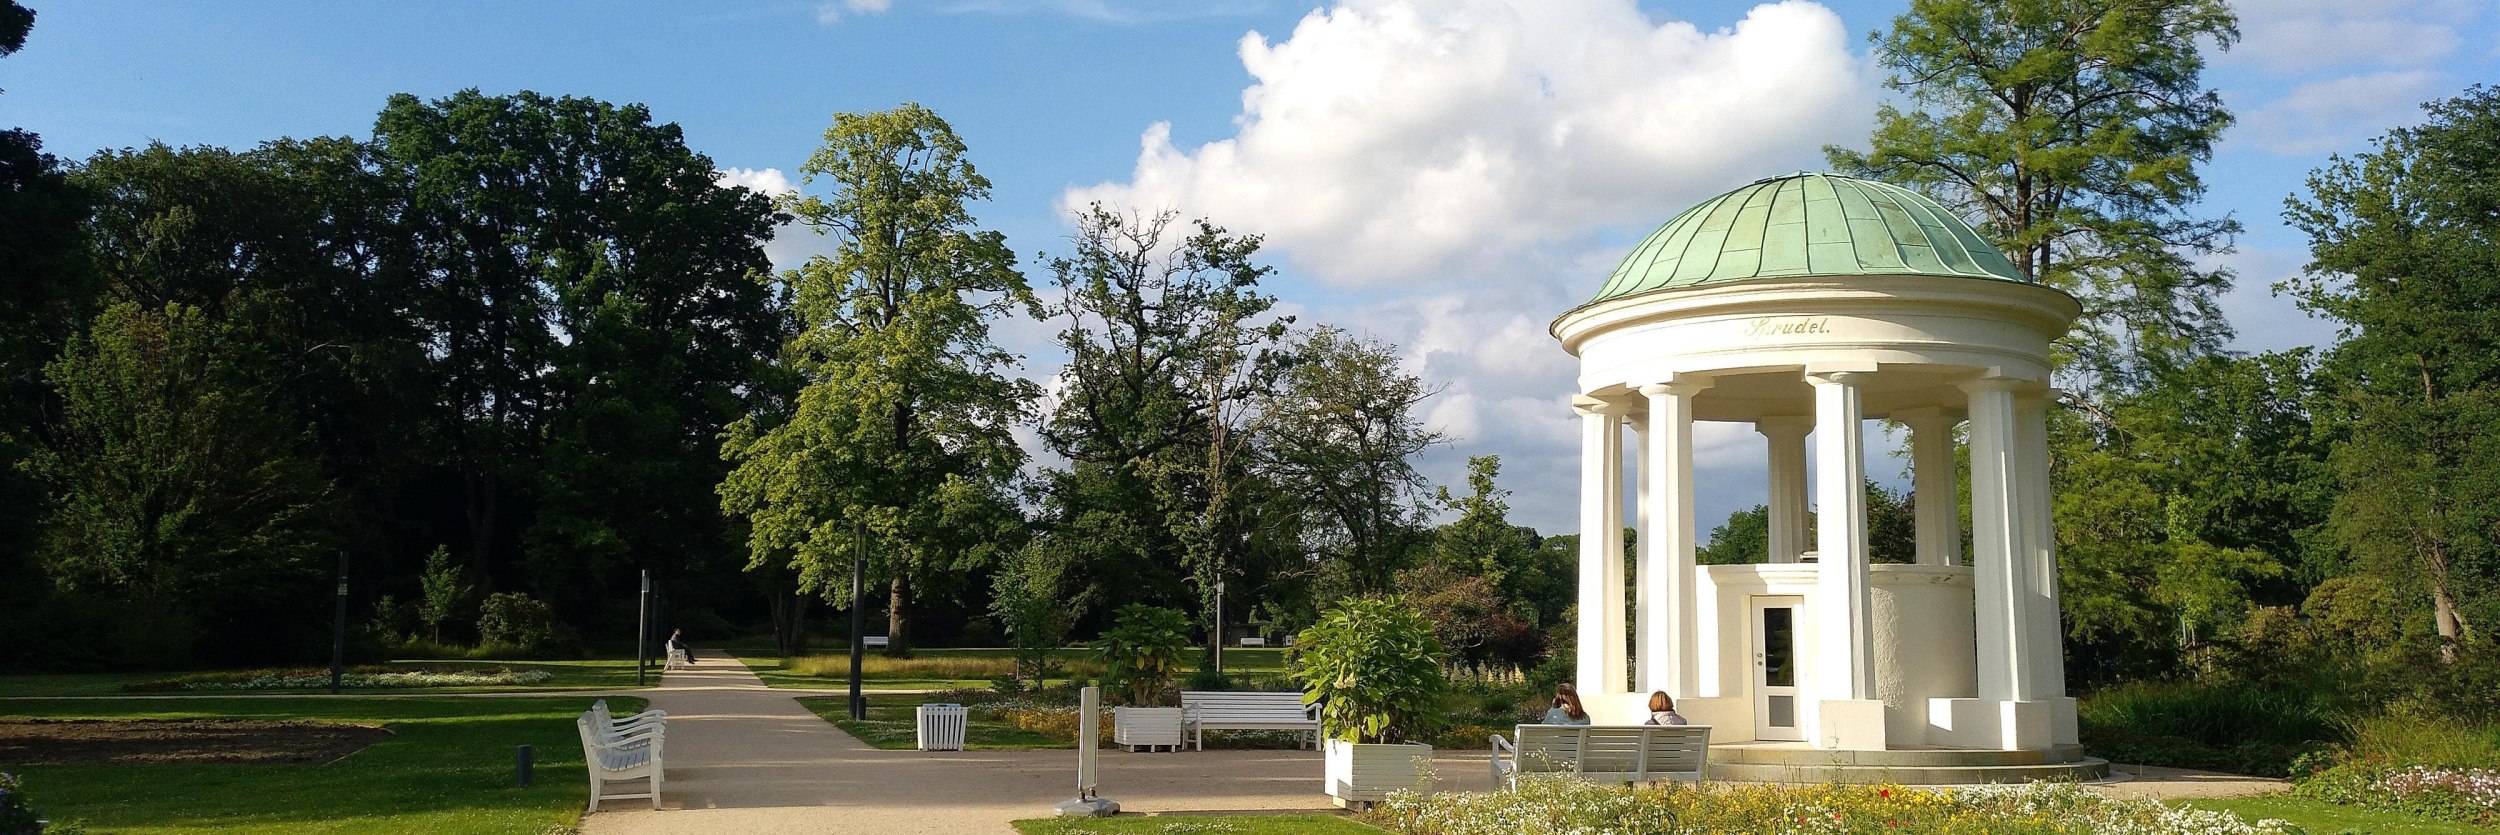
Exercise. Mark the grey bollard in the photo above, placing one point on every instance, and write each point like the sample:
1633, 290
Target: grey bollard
523, 759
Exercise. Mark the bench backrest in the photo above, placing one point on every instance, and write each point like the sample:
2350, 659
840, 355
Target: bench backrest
1218, 706
1626, 752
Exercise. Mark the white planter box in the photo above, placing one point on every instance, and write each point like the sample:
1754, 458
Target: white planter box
1146, 727
1361, 774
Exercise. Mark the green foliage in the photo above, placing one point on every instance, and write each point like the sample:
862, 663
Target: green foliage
2071, 132
1141, 652
443, 592
2220, 727
1374, 667
2403, 249
903, 423
1744, 538
1169, 345
1471, 620
1032, 596
1341, 435
515, 620
1533, 586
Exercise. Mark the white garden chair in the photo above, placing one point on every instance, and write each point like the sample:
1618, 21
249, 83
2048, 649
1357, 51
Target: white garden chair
634, 756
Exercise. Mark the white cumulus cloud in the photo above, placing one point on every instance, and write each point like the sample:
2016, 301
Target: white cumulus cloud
2298, 36
2339, 114
767, 181
1387, 141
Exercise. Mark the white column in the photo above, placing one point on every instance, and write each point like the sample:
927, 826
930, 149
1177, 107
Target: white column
1787, 435
1601, 659
1932, 485
1667, 543
2045, 655
1845, 663
1997, 575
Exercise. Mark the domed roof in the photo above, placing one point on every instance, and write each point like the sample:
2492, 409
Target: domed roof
1807, 225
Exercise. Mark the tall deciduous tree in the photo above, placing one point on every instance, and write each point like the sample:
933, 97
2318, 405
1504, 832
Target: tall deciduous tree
176, 485
903, 424
2071, 130
1170, 344
2405, 252
1343, 432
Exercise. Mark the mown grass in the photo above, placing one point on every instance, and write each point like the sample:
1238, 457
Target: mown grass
2322, 818
1302, 824
951, 669
594, 674
447, 768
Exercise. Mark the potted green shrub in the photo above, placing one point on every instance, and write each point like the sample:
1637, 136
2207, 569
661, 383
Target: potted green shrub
1141, 652
1374, 668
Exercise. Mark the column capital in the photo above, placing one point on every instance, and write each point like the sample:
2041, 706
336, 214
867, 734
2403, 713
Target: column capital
1684, 385
1784, 425
1592, 406
1838, 378
1980, 384
1925, 415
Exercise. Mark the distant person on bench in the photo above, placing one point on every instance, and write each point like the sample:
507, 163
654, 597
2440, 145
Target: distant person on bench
677, 643
1567, 709
1662, 710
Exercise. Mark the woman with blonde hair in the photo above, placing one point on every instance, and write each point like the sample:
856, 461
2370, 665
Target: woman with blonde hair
1566, 710
1662, 710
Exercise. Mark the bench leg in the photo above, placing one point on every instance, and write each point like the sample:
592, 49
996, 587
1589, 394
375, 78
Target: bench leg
595, 785
655, 787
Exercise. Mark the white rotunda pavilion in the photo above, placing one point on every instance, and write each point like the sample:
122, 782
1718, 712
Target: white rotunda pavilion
1805, 305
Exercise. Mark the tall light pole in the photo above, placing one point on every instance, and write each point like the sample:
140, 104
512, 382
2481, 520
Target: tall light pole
642, 631
859, 614
338, 628
1219, 626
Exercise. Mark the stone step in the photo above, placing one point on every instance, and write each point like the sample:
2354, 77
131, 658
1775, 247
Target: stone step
2089, 768
1905, 757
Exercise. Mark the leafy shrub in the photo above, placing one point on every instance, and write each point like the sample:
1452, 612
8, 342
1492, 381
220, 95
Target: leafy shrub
367, 677
1555, 803
1375, 668
18, 815
2224, 727
1142, 651
927, 666
525, 626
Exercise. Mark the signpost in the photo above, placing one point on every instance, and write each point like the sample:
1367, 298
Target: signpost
1088, 803
1219, 626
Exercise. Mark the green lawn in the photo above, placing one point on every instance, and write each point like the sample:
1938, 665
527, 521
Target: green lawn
2322, 818
446, 769
1228, 824
891, 726
949, 669
595, 674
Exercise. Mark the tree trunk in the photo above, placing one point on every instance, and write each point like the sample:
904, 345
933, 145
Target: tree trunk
789, 610
897, 622
2445, 618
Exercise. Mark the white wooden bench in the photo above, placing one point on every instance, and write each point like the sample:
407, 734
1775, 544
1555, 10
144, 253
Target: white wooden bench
1604, 753
1205, 710
1254, 642
611, 726
872, 642
677, 660
614, 757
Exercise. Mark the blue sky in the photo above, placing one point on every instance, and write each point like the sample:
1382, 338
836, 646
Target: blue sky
1444, 174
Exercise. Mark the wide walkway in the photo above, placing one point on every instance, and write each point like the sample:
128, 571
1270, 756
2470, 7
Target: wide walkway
746, 759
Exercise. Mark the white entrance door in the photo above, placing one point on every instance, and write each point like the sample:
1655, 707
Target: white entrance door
1775, 667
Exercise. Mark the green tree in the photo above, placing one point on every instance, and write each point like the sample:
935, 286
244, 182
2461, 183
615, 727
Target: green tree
1342, 432
1033, 597
177, 485
903, 424
2405, 250
1170, 346
1482, 542
441, 591
1744, 538
2071, 131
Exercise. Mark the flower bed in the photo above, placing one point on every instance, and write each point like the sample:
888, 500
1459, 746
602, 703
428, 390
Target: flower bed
2471, 795
1557, 804
362, 678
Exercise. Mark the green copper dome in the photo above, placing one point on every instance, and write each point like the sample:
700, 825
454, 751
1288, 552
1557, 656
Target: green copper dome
1807, 225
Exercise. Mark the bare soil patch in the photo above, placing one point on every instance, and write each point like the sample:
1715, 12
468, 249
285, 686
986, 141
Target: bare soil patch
184, 741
